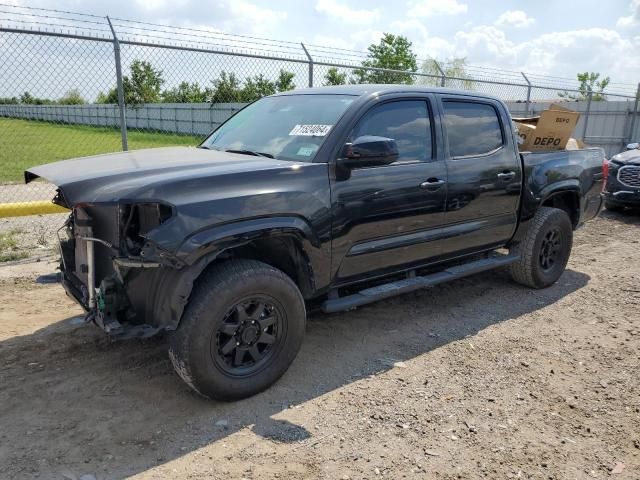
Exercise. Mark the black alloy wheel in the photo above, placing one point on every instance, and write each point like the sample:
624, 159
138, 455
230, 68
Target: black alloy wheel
249, 334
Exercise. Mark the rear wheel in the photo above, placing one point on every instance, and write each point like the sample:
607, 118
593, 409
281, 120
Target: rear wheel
545, 250
240, 332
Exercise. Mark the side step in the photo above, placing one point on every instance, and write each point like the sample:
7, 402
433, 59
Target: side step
398, 287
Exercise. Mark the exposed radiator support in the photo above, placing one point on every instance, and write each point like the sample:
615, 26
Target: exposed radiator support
91, 275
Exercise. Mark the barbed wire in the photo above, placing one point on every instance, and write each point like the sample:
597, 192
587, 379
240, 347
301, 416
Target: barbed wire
44, 19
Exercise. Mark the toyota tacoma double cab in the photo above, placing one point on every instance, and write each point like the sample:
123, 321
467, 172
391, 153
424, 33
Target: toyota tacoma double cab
324, 198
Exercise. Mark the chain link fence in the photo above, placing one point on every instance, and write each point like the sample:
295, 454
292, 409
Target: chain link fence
74, 85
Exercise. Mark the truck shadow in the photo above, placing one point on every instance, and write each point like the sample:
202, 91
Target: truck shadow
73, 401
629, 216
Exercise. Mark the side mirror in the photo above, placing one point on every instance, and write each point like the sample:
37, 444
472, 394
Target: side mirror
369, 151
633, 146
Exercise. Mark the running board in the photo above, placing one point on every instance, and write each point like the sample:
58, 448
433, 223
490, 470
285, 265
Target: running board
392, 289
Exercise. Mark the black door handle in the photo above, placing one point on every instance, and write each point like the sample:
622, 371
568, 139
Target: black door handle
506, 175
432, 184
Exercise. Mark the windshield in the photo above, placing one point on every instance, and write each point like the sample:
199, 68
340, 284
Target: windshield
288, 127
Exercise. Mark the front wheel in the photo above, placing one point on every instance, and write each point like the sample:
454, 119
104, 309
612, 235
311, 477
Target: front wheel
545, 249
243, 327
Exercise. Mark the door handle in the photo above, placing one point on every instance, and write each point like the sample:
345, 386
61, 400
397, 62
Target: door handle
506, 175
432, 184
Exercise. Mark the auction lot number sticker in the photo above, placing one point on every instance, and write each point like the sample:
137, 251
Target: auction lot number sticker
310, 130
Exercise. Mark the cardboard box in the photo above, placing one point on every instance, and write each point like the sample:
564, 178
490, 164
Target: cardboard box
550, 130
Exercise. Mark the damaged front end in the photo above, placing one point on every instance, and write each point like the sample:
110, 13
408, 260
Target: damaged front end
111, 269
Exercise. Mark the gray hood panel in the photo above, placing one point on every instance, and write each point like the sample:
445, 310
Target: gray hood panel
143, 173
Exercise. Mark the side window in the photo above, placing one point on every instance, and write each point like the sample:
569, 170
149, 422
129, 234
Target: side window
472, 128
405, 121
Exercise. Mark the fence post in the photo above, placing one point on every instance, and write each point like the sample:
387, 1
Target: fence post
586, 115
122, 107
633, 117
528, 93
310, 58
443, 76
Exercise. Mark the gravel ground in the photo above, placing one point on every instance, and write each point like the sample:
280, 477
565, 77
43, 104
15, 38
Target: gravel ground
480, 378
20, 192
35, 234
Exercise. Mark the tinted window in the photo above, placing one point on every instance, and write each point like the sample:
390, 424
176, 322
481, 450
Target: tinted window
407, 122
289, 127
472, 128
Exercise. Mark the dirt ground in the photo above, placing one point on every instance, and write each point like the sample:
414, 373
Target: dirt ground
479, 378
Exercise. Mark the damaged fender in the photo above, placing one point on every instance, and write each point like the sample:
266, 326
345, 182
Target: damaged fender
162, 293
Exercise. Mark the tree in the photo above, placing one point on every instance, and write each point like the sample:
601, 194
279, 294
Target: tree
226, 88
392, 52
453, 68
334, 77
257, 87
9, 100
72, 97
105, 97
27, 99
141, 86
589, 82
186, 92
284, 83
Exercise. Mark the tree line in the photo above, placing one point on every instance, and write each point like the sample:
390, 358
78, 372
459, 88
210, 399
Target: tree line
144, 83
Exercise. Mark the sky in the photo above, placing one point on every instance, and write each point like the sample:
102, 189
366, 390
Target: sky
557, 38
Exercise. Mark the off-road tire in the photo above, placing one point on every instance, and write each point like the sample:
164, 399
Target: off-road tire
528, 270
192, 347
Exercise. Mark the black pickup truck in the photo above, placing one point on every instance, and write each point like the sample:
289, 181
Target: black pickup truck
326, 198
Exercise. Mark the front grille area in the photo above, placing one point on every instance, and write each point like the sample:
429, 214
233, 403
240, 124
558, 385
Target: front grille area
630, 176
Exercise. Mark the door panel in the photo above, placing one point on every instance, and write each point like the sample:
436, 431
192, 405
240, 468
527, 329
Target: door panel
377, 213
381, 214
484, 175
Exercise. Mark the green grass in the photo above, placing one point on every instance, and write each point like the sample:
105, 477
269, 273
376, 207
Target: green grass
9, 249
25, 143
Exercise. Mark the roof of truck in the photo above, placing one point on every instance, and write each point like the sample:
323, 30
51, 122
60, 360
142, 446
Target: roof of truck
366, 88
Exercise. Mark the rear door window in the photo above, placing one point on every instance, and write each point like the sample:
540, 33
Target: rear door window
473, 129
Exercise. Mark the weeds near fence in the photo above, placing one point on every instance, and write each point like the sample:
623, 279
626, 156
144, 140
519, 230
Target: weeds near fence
9, 248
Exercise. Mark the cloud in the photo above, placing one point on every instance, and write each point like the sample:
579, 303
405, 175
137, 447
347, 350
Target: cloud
424, 45
246, 16
633, 19
365, 37
428, 8
560, 53
414, 29
347, 14
592, 49
515, 18
233, 16
485, 43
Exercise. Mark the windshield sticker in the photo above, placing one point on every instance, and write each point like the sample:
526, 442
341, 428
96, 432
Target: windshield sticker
306, 151
310, 130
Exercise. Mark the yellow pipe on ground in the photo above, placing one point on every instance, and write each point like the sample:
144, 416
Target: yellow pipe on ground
29, 208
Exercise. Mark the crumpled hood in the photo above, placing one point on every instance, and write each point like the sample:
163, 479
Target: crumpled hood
630, 157
138, 173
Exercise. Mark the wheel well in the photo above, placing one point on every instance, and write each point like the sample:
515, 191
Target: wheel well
567, 201
284, 253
